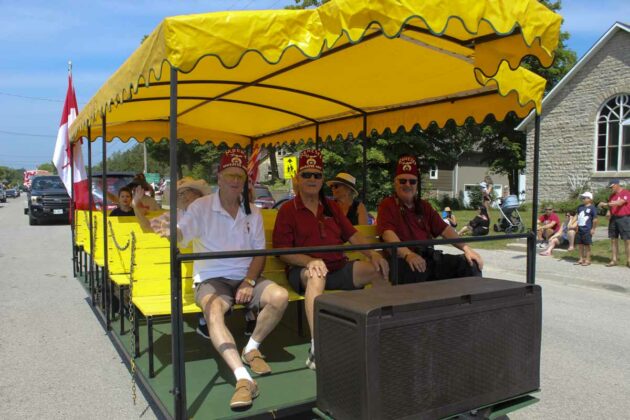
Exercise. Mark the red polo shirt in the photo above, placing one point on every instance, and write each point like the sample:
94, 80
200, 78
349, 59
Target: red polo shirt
297, 226
624, 209
404, 222
553, 217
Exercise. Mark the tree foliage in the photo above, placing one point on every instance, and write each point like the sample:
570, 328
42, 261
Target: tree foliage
10, 177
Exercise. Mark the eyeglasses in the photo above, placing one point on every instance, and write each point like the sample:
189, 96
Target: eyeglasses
309, 175
403, 181
548, 209
234, 177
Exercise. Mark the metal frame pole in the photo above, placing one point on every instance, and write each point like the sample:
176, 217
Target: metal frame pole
531, 240
105, 275
364, 143
177, 326
71, 210
90, 269
318, 141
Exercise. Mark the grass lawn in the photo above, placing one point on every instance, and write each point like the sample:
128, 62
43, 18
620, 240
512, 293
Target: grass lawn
600, 253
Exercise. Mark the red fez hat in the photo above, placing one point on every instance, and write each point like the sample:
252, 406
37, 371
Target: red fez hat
407, 165
311, 159
233, 158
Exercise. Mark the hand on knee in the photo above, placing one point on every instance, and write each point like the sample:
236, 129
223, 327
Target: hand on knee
316, 284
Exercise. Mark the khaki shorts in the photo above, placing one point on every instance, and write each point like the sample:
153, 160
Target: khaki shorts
226, 290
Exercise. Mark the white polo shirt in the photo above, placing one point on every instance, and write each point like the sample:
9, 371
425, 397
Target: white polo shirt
210, 228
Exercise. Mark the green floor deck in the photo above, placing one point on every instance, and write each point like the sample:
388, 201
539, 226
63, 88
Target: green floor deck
210, 383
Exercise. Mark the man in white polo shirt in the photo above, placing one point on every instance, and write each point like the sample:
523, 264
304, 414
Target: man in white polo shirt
224, 221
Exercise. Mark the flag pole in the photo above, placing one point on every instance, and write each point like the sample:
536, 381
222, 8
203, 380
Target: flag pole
71, 215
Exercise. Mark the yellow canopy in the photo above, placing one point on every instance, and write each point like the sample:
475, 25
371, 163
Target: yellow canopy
287, 75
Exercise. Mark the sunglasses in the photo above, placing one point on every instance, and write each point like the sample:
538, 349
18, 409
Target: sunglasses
403, 181
234, 177
309, 175
548, 209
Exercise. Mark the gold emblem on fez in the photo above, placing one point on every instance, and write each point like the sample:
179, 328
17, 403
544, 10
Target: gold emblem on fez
406, 167
236, 161
311, 162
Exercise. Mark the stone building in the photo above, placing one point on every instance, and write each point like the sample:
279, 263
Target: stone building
585, 123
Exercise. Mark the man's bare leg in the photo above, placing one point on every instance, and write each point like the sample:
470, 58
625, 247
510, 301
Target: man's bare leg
364, 273
614, 244
274, 301
315, 286
222, 340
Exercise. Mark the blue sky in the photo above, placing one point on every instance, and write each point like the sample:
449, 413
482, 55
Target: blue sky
38, 38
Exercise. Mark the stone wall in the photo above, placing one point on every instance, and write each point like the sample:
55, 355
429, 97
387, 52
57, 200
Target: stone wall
567, 134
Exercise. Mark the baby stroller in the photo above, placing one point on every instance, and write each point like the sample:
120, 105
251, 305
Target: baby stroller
510, 221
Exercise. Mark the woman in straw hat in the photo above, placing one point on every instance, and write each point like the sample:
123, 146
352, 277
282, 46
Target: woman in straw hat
345, 193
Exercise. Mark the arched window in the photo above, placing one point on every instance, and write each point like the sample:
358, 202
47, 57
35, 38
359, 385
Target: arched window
613, 135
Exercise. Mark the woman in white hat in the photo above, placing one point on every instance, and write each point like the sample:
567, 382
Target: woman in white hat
345, 193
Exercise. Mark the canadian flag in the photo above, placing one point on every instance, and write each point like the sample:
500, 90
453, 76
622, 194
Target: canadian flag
62, 155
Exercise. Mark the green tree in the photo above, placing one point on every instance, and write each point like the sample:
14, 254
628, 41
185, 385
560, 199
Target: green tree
503, 146
306, 4
47, 167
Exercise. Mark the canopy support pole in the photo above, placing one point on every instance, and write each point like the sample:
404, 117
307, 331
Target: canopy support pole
364, 144
105, 276
90, 269
318, 141
177, 326
71, 210
531, 240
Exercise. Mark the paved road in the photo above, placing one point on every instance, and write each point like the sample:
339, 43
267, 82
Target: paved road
55, 360
57, 363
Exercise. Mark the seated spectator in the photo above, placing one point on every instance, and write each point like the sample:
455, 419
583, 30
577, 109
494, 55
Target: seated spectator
548, 225
404, 216
479, 225
311, 219
449, 217
345, 193
124, 207
565, 236
225, 221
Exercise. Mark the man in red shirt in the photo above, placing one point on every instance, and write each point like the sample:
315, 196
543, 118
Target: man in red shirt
548, 224
311, 219
619, 226
404, 216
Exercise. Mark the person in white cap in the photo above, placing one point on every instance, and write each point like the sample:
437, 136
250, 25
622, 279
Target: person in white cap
345, 193
587, 222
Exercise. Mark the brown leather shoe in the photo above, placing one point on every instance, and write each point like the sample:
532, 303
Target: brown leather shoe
244, 394
256, 362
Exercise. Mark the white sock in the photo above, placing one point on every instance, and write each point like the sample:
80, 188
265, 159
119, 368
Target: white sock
242, 373
251, 345
313, 346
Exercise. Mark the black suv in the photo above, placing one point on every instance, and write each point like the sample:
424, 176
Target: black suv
47, 200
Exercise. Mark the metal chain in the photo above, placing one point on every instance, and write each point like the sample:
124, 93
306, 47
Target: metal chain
132, 316
116, 244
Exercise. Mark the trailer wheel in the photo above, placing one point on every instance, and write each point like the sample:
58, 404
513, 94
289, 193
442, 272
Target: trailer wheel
31, 220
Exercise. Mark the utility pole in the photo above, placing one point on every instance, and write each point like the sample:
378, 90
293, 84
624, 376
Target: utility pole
144, 147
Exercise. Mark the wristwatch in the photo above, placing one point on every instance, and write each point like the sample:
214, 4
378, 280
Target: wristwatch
249, 281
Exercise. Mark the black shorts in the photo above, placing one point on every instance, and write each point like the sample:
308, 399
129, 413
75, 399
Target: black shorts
335, 280
583, 237
619, 227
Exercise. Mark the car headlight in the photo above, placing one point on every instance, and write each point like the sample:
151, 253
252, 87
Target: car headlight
35, 199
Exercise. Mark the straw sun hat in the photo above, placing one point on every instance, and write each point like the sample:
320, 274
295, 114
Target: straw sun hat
344, 179
196, 184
